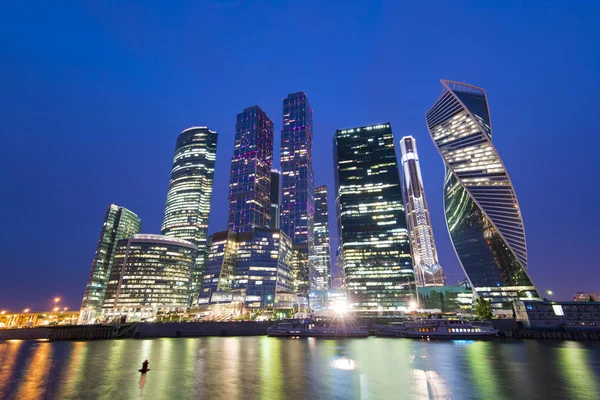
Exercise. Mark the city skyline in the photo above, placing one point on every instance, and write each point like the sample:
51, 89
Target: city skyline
67, 155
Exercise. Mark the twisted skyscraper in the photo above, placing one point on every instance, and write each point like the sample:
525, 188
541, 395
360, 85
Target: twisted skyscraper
481, 207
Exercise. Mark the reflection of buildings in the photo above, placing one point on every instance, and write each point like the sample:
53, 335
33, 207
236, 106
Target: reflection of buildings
457, 298
482, 211
190, 190
298, 204
428, 271
150, 274
568, 315
322, 257
374, 242
119, 223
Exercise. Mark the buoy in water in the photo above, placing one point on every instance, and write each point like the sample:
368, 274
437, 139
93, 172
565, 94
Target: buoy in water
145, 367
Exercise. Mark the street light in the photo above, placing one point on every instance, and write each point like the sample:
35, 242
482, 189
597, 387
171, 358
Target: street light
550, 292
26, 310
56, 300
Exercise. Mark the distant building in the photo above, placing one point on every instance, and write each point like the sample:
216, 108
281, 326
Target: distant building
248, 270
119, 223
427, 268
275, 198
190, 190
322, 257
374, 241
566, 315
150, 274
298, 203
586, 296
482, 212
250, 178
456, 298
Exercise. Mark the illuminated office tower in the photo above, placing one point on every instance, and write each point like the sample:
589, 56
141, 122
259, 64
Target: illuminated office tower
481, 207
190, 191
298, 203
428, 271
322, 249
275, 198
374, 241
250, 179
119, 223
150, 274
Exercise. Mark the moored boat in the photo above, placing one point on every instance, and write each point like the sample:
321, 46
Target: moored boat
308, 328
449, 329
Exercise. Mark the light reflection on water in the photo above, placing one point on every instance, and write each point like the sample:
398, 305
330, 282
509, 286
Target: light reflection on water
271, 368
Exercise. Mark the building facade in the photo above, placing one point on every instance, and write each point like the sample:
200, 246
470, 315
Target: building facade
374, 241
428, 271
275, 199
190, 191
298, 203
482, 212
150, 274
119, 223
250, 179
248, 270
558, 315
322, 257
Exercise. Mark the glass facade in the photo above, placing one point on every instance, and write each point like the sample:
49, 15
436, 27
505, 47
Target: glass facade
298, 204
322, 258
275, 198
248, 268
481, 207
119, 223
374, 241
190, 191
150, 274
428, 271
250, 179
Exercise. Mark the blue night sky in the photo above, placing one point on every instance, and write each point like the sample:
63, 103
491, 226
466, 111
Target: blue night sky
93, 95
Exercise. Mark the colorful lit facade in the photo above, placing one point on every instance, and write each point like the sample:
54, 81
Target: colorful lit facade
150, 274
250, 179
322, 257
190, 191
481, 207
119, 223
374, 241
248, 270
298, 204
428, 271
275, 199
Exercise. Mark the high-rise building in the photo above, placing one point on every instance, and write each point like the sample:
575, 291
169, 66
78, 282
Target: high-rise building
482, 212
190, 191
428, 271
119, 223
150, 274
275, 198
250, 179
374, 242
298, 204
250, 269
322, 258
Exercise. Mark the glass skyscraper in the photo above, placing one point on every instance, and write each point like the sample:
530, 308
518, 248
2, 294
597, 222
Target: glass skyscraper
250, 179
119, 223
425, 261
298, 203
150, 274
190, 191
374, 241
482, 212
322, 249
275, 198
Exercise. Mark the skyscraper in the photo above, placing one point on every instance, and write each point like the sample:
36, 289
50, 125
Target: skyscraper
374, 242
322, 248
150, 274
481, 207
428, 271
250, 179
275, 198
190, 191
119, 223
298, 203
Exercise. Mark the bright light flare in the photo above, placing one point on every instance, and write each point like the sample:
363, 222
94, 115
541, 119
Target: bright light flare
345, 364
340, 307
412, 305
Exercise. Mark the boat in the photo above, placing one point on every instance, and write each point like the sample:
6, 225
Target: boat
449, 329
310, 328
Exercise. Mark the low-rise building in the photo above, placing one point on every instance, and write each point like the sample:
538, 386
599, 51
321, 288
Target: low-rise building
568, 315
586, 296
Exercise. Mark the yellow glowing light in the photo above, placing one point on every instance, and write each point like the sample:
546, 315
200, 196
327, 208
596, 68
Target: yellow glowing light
3, 312
26, 310
56, 299
550, 292
56, 309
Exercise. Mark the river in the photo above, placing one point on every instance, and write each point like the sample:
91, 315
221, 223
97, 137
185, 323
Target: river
273, 368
